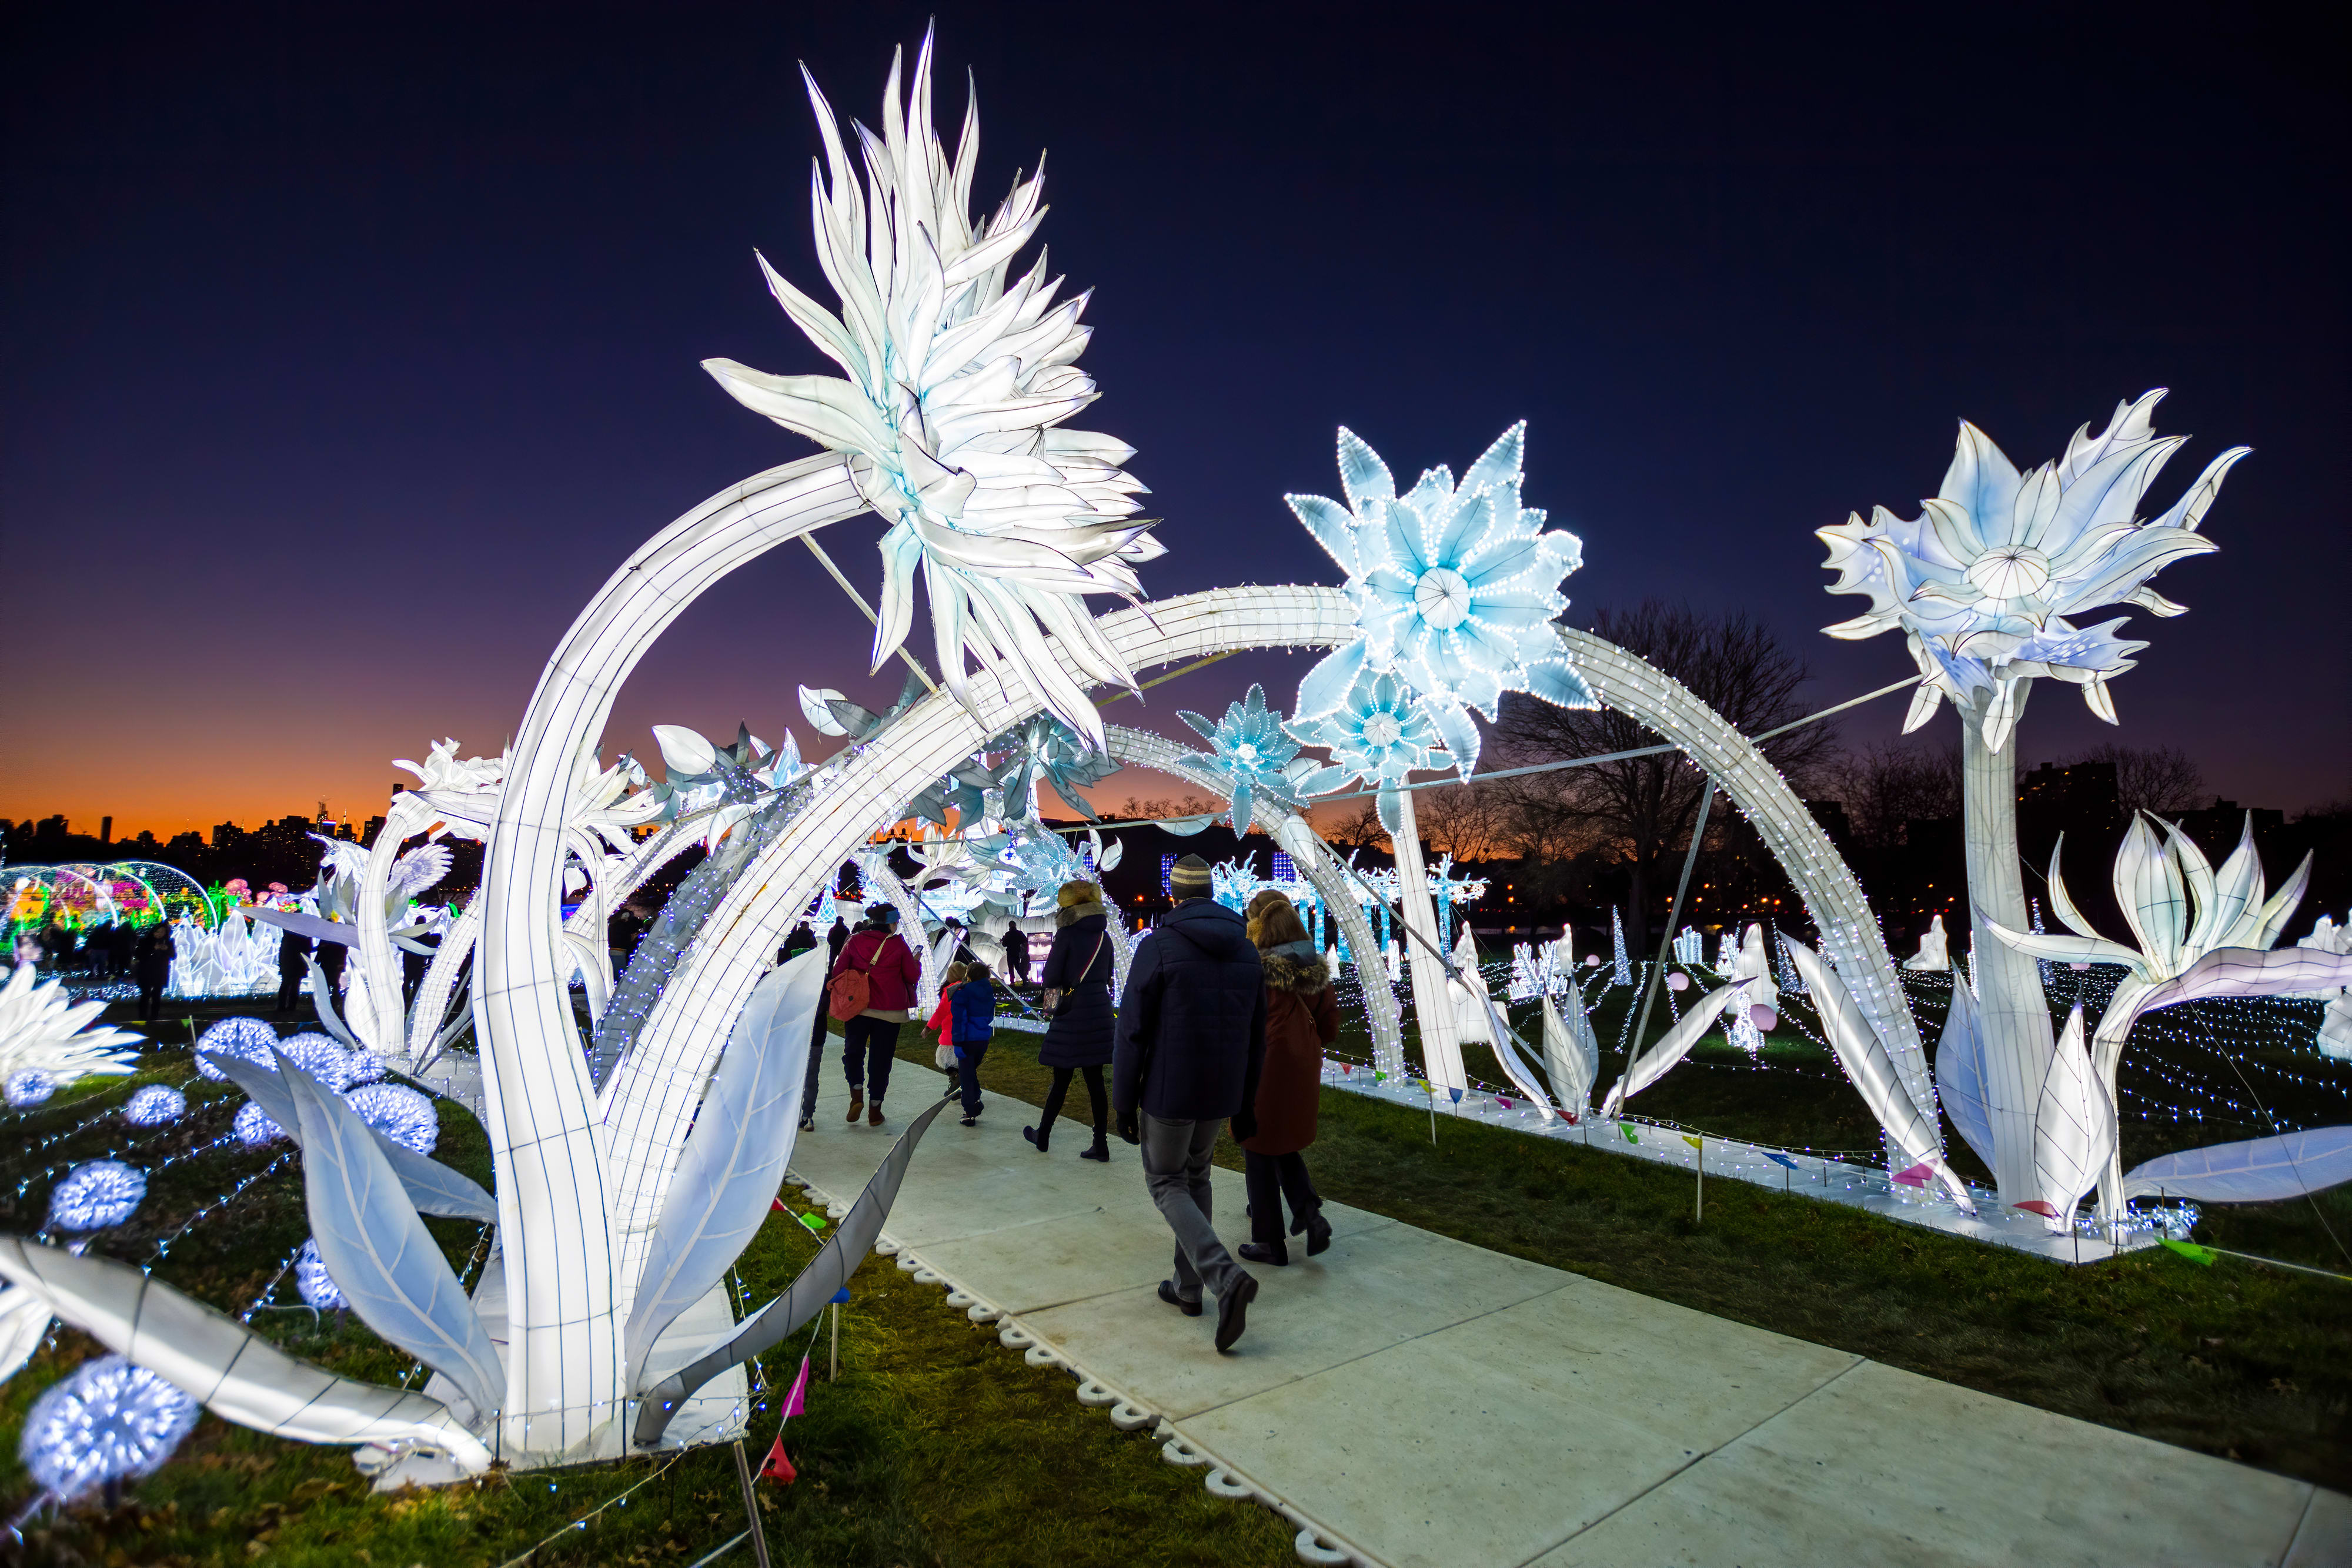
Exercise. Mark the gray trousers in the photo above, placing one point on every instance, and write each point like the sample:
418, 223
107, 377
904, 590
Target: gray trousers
1176, 1169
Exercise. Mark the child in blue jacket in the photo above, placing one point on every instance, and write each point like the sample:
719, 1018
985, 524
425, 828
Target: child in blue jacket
973, 1005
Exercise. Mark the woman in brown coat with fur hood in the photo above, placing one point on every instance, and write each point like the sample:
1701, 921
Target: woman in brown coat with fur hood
1302, 1017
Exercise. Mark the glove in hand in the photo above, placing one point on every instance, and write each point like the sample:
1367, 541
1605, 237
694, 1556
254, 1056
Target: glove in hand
1128, 1131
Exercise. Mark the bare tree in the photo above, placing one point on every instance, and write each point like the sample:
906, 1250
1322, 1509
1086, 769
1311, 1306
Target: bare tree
2159, 779
1886, 788
1359, 830
1643, 806
1470, 821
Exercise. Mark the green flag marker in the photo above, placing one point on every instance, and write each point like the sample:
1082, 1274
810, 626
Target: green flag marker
2191, 1251
813, 1223
1694, 1142
1630, 1135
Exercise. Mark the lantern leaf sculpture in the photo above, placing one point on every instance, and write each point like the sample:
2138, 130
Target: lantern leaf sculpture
735, 1157
377, 1249
1909, 1128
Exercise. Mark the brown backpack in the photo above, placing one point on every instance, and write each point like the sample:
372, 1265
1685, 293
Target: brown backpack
849, 993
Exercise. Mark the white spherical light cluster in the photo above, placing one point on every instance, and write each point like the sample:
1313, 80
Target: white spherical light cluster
28, 1086
321, 1058
399, 1113
95, 1195
247, 1038
253, 1128
110, 1421
310, 1277
154, 1106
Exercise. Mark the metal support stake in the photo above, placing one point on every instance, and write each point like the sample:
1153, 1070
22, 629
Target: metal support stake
833, 1374
750, 1503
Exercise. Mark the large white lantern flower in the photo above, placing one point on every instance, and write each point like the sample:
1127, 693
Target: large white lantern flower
1380, 732
1454, 587
959, 376
1982, 581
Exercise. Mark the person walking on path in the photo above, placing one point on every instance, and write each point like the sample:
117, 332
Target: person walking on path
151, 968
941, 1026
1079, 1031
1191, 1043
870, 1042
834, 940
1302, 1017
292, 950
973, 1011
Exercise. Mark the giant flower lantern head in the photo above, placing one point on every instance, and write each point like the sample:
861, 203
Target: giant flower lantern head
1379, 733
1982, 582
1249, 749
958, 379
1455, 589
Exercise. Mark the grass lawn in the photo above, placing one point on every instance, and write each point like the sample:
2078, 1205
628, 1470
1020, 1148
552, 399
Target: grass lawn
2242, 1361
938, 1446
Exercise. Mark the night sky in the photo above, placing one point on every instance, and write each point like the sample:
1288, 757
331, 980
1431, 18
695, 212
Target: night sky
348, 351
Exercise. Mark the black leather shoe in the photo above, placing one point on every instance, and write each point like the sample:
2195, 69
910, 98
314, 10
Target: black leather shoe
1098, 1150
1272, 1252
1031, 1133
1232, 1311
1190, 1309
1318, 1234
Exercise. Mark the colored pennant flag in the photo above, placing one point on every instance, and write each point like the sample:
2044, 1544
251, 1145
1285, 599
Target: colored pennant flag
796, 1401
776, 1206
1916, 1177
2035, 1206
2191, 1251
1694, 1142
1630, 1135
841, 1297
1379, 1077
1505, 1105
778, 1468
813, 1223
1779, 1159
1457, 1093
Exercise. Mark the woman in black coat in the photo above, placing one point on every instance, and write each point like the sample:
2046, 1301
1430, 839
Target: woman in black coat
1079, 1038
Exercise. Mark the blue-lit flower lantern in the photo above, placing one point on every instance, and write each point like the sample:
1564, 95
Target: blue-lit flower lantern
1455, 589
1248, 749
1379, 733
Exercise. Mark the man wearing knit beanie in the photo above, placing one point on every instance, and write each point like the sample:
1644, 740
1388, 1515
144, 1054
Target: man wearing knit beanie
1191, 1038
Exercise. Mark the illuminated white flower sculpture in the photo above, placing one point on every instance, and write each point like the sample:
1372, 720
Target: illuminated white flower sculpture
1379, 733
41, 1033
1455, 589
2201, 933
958, 379
1250, 749
1982, 584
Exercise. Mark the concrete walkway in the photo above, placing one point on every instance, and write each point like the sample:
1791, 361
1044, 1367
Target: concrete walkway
1417, 1400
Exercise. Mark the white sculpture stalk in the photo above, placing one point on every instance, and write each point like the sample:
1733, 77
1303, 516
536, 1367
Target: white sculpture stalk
2018, 1040
1440, 1041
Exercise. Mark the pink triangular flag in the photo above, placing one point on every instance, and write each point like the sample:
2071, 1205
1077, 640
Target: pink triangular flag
1916, 1177
796, 1401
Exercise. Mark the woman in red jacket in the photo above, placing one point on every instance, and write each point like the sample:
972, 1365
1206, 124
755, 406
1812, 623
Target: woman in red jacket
870, 1042
1302, 1017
